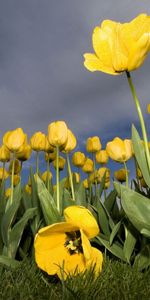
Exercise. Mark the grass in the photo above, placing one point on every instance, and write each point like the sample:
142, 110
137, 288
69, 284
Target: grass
117, 281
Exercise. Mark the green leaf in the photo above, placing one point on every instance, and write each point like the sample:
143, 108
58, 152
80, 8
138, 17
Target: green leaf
110, 200
9, 262
102, 184
67, 200
136, 207
145, 232
114, 248
49, 209
140, 155
80, 195
129, 243
9, 215
142, 260
103, 218
114, 232
17, 231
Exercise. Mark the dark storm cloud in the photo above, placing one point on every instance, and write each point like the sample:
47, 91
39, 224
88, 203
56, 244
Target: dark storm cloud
42, 77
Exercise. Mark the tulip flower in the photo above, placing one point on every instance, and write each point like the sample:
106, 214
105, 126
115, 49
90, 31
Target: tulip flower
88, 166
119, 150
119, 47
24, 154
46, 175
38, 141
120, 175
66, 245
57, 133
4, 154
78, 159
101, 172
93, 144
61, 163
102, 157
17, 166
14, 140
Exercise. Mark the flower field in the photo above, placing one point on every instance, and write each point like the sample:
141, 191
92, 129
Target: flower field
75, 224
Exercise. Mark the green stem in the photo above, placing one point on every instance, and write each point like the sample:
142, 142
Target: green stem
127, 177
12, 178
57, 178
140, 117
37, 162
95, 180
70, 177
3, 172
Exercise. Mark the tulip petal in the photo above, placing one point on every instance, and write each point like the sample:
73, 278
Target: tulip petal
96, 260
83, 218
86, 246
92, 63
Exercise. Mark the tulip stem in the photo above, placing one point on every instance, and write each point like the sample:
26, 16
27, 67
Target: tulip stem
12, 178
140, 118
70, 177
57, 177
3, 175
95, 180
127, 178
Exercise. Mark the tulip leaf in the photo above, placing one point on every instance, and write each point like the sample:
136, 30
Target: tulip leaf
67, 200
80, 195
114, 232
9, 215
17, 231
103, 218
145, 232
110, 200
136, 207
49, 209
140, 155
115, 249
9, 262
129, 243
142, 260
102, 184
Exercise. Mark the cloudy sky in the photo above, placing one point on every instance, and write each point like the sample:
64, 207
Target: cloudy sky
42, 77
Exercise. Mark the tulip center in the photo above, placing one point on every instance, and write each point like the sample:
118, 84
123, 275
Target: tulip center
73, 242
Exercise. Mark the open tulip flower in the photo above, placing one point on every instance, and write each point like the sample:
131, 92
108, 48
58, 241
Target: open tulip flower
66, 245
119, 47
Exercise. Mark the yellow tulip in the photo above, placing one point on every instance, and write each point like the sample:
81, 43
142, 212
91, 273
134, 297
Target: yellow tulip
57, 133
119, 47
48, 147
78, 159
71, 142
4, 154
76, 177
28, 189
61, 163
17, 166
93, 144
67, 245
88, 166
101, 172
120, 175
38, 141
14, 140
50, 156
8, 192
119, 150
46, 175
25, 153
3, 174
16, 179
148, 108
86, 183
102, 157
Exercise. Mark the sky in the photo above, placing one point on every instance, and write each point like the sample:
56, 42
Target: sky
42, 76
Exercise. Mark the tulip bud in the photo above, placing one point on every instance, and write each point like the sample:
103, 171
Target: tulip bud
119, 150
16, 179
71, 142
61, 163
38, 141
120, 175
14, 140
48, 147
28, 189
102, 157
17, 166
93, 144
8, 192
57, 133
101, 172
4, 154
86, 183
78, 159
139, 173
88, 166
3, 174
25, 154
50, 156
46, 175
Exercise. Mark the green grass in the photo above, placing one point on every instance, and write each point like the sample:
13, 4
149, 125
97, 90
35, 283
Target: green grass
117, 281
